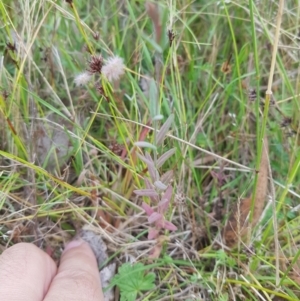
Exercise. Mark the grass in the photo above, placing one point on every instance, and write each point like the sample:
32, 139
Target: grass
68, 154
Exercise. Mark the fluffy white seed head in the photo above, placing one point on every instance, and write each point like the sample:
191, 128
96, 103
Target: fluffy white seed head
113, 69
82, 79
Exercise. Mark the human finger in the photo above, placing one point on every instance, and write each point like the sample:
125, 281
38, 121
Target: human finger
25, 273
78, 276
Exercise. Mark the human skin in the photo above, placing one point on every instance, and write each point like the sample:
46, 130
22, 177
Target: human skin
29, 274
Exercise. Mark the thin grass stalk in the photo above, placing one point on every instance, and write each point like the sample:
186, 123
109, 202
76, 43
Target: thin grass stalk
264, 124
236, 54
290, 267
113, 110
259, 287
257, 71
42, 171
78, 22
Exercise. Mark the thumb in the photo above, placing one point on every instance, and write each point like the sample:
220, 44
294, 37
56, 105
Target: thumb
78, 276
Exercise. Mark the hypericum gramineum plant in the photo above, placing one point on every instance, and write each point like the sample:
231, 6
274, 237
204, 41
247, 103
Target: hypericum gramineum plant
158, 188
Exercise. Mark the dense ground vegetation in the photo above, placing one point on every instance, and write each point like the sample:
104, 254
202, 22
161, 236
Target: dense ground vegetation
144, 120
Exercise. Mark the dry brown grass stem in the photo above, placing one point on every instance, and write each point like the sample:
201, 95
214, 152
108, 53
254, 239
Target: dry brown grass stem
268, 96
237, 225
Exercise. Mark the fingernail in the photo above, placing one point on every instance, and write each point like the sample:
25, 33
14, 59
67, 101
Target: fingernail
73, 244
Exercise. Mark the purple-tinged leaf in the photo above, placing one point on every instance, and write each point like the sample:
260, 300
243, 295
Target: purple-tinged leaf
147, 209
167, 177
153, 233
151, 168
144, 159
168, 193
144, 144
163, 158
154, 217
149, 158
160, 185
150, 186
164, 130
169, 226
163, 205
146, 192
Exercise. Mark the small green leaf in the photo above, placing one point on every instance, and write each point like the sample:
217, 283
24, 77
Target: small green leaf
132, 280
144, 144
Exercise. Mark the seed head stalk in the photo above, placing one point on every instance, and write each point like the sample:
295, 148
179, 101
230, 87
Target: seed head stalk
264, 124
